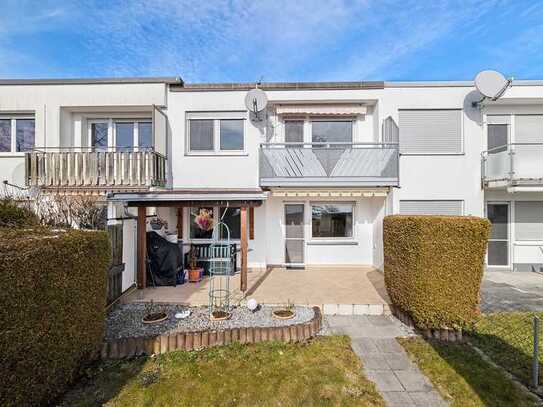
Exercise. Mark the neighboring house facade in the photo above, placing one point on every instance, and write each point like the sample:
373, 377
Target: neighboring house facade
306, 182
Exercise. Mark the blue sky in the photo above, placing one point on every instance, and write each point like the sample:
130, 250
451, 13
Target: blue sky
297, 40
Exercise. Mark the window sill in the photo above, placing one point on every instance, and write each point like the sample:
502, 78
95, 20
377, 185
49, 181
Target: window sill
218, 153
9, 154
332, 243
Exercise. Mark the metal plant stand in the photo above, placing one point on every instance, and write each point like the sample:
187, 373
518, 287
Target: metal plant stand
220, 270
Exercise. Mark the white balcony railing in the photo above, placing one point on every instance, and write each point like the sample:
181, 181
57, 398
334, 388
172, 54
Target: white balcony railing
76, 167
329, 164
515, 164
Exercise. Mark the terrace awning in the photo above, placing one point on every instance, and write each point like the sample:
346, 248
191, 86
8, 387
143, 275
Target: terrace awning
192, 197
346, 109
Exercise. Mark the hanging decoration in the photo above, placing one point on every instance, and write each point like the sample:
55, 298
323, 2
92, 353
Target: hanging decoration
204, 219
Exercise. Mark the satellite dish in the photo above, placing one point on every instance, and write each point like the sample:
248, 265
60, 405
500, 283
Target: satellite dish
256, 100
491, 84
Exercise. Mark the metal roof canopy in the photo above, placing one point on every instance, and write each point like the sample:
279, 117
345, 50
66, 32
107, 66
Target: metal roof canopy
192, 197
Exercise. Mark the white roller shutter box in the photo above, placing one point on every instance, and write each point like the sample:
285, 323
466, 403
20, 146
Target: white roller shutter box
431, 131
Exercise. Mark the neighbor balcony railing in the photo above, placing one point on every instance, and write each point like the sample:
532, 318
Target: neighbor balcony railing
329, 164
514, 164
89, 167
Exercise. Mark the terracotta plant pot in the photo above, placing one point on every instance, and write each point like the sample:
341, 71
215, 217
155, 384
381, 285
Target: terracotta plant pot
196, 275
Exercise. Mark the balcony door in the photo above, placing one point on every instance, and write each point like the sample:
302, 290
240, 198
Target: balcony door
294, 235
498, 244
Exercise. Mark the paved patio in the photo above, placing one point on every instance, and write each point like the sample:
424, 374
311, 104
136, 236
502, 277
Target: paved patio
346, 290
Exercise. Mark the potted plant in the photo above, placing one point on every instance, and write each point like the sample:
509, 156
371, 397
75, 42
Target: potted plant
195, 273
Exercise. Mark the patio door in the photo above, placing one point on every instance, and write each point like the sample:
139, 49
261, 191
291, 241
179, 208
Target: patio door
498, 244
294, 235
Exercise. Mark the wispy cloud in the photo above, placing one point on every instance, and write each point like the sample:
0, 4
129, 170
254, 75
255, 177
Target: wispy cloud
225, 40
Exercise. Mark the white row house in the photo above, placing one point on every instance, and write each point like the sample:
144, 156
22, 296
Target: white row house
304, 182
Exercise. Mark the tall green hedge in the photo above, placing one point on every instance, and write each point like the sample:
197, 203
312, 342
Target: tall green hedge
52, 310
434, 267
12, 214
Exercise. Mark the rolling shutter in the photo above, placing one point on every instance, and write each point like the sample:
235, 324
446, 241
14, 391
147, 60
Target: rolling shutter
529, 220
431, 131
432, 207
529, 129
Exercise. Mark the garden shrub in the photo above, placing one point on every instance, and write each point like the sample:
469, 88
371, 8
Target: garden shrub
434, 267
14, 215
53, 297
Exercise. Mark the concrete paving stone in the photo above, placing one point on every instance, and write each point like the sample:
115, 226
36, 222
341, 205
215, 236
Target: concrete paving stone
375, 309
397, 399
375, 362
389, 345
364, 347
413, 380
329, 309
380, 320
427, 398
385, 380
398, 361
345, 309
361, 309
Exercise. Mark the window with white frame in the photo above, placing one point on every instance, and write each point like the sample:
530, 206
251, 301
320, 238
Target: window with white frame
332, 220
123, 134
17, 133
207, 134
294, 132
202, 221
331, 131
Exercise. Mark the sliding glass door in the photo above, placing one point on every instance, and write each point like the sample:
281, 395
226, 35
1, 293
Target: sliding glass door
498, 244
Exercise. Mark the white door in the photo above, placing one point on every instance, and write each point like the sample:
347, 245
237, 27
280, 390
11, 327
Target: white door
498, 244
294, 235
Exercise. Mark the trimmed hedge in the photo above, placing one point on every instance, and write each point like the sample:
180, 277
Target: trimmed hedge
13, 215
434, 267
53, 298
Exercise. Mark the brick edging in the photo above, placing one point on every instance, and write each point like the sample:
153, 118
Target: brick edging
446, 335
196, 340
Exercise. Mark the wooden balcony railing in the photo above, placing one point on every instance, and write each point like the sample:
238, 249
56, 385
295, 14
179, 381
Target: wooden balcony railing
77, 167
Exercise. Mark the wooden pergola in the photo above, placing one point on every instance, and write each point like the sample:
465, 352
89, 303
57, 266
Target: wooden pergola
246, 200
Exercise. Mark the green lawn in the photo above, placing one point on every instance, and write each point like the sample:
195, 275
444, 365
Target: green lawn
462, 377
506, 337
324, 372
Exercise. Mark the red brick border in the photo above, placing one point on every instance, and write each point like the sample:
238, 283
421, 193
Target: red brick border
446, 335
196, 340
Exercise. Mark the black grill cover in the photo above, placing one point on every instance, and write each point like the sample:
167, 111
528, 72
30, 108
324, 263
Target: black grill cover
165, 260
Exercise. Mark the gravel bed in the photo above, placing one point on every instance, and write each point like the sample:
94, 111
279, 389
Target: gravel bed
126, 320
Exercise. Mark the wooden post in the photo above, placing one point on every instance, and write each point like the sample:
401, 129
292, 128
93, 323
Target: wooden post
142, 247
243, 279
180, 223
251, 223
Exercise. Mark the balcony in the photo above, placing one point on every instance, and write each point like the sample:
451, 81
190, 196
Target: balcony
329, 164
515, 165
99, 169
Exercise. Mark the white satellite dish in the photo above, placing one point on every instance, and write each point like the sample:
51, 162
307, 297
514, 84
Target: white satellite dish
491, 84
256, 100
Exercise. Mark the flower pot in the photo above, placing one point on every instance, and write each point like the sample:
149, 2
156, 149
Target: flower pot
196, 275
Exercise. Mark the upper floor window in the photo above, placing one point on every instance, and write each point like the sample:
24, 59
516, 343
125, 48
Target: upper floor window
294, 131
17, 134
123, 134
215, 135
336, 131
431, 131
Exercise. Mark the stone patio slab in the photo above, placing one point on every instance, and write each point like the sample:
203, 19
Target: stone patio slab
385, 380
